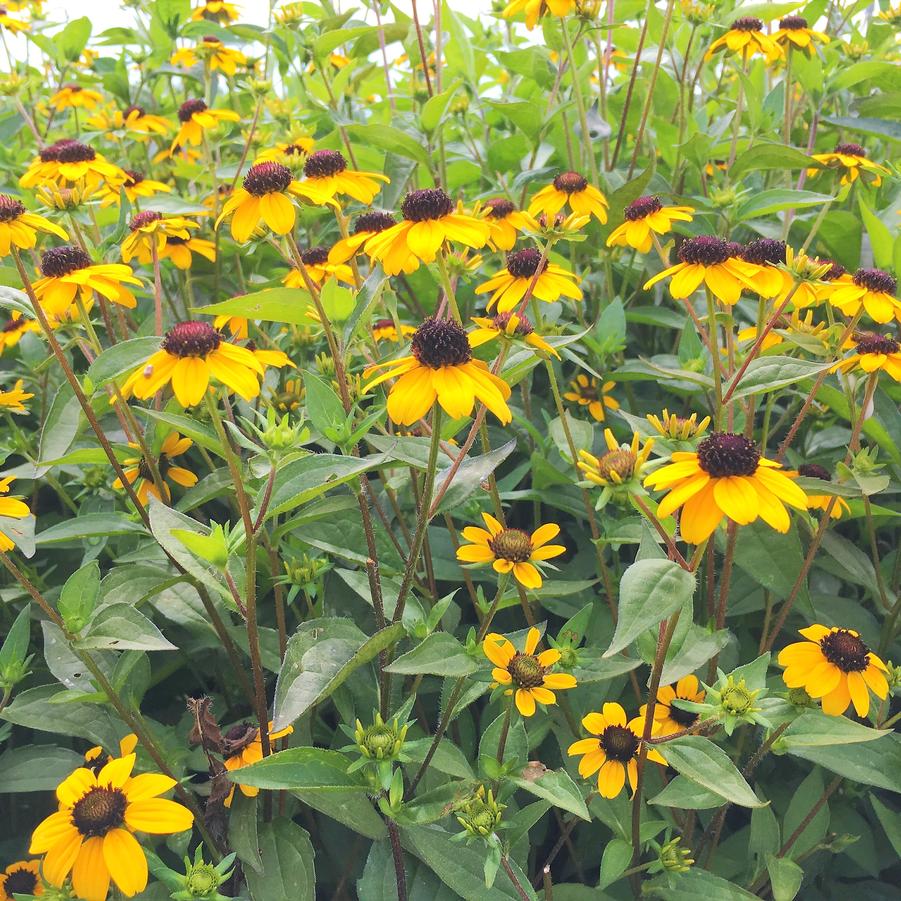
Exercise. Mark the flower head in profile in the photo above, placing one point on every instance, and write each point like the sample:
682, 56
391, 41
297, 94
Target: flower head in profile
511, 327
327, 178
620, 465
527, 673
215, 11
195, 118
745, 37
822, 501
570, 189
587, 391
440, 368
135, 186
851, 161
872, 289
243, 747
14, 328
728, 477
670, 717
318, 268
795, 33
69, 162
509, 286
506, 222
21, 878
430, 221
213, 53
191, 354
92, 833
534, 9
365, 226
290, 153
264, 197
613, 750
873, 352
511, 550
140, 475
19, 228
138, 121
644, 218
836, 666
74, 96
678, 428
151, 231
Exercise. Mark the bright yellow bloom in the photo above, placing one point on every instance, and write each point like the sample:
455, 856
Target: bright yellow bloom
327, 178
726, 476
265, 196
872, 289
215, 11
214, 53
441, 368
510, 326
822, 501
386, 330
94, 759
18, 227
242, 748
795, 32
589, 392
12, 507
237, 325
180, 250
573, 189
74, 96
668, 716
135, 187
511, 550
140, 475
91, 835
13, 26
835, 666
527, 673
319, 267
621, 463
365, 227
509, 286
851, 160
21, 878
643, 218
191, 354
506, 222
872, 353
761, 261
746, 37
136, 119
14, 328
290, 153
12, 400
613, 753
150, 230
534, 9
196, 118
69, 161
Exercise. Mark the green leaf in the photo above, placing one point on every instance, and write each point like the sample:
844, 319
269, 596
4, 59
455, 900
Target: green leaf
770, 156
766, 202
14, 649
337, 301
650, 591
557, 787
785, 877
286, 305
434, 108
682, 793
881, 238
121, 359
614, 861
297, 769
324, 407
472, 473
243, 837
889, 819
35, 768
288, 872
89, 525
60, 425
188, 426
696, 883
439, 655
700, 760
765, 374
771, 559
39, 708
875, 763
79, 596
803, 800
387, 137
882, 128
120, 627
72, 40
331, 40
815, 729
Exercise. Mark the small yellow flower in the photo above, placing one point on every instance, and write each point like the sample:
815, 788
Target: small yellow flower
265, 196
589, 392
215, 11
21, 878
12, 507
386, 330
509, 286
620, 464
667, 715
851, 160
534, 9
510, 326
140, 475
69, 161
573, 189
872, 289
150, 230
18, 227
289, 153
319, 267
244, 747
644, 218
13, 26
872, 353
745, 36
506, 222
212, 51
74, 96
14, 328
135, 187
327, 178
795, 32
12, 400
196, 118
365, 227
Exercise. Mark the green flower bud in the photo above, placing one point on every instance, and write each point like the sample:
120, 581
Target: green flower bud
381, 740
480, 815
675, 859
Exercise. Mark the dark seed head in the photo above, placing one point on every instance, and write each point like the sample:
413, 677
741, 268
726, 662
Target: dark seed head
526, 671
143, 219
524, 263
619, 743
876, 280
570, 182
747, 23
50, 153
20, 882
189, 107
871, 343
684, 718
73, 88
210, 39
723, 454
315, 256
322, 163
10, 208
99, 811
704, 249
74, 152
845, 650
850, 149
793, 23
191, 339
524, 327
13, 325
836, 270
763, 251
499, 207
374, 221
294, 150
440, 342
814, 471
641, 208
133, 109
427, 204
132, 177
620, 462
267, 178
60, 261
511, 544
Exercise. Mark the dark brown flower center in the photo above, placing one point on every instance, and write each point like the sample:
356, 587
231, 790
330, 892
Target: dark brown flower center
724, 454
511, 544
429, 203
20, 882
836, 270
850, 149
871, 343
75, 152
793, 23
322, 163
684, 718
619, 743
99, 811
570, 182
526, 671
210, 39
620, 461
641, 208
704, 249
876, 280
814, 471
375, 221
499, 207
239, 737
764, 251
189, 108
59, 261
293, 150
440, 342
524, 263
846, 651
523, 329
13, 325
267, 178
143, 219
315, 256
10, 208
747, 23
133, 109
191, 339
132, 177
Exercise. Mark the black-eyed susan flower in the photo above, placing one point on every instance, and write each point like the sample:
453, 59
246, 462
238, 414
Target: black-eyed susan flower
74, 96
746, 37
326, 178
215, 11
710, 261
644, 218
509, 326
534, 9
765, 256
68, 271
678, 428
91, 836
851, 161
136, 188
180, 250
822, 501
69, 161
18, 227
14, 328
506, 222
265, 197
511, 550
290, 153
138, 121
140, 476
365, 227
613, 751
196, 118
14, 508
587, 391
527, 673
570, 188
21, 878
440, 368
836, 666
319, 267
509, 286
872, 289
150, 229
873, 352
12, 400
213, 53
11, 24
620, 464
244, 747
191, 354
728, 477
794, 32
386, 330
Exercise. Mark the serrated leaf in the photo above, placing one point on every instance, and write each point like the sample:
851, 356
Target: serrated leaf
701, 761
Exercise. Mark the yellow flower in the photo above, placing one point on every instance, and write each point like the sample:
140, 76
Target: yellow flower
588, 392
212, 51
669, 425
269, 356
215, 11
505, 222
364, 228
872, 289
265, 196
237, 325
822, 501
509, 286
327, 178
763, 257
643, 218
180, 250
873, 352
242, 748
726, 476
68, 271
12, 507
74, 96
91, 835
534, 9
621, 463
13, 26
21, 878
135, 187
12, 330
70, 161
150, 230
441, 368
138, 120
802, 328
851, 160
613, 754
139, 474
190, 355
94, 759
386, 330
795, 32
573, 189
668, 716
18, 227
511, 550
745, 36
12, 400
319, 267
836, 666
527, 673
196, 118
510, 326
